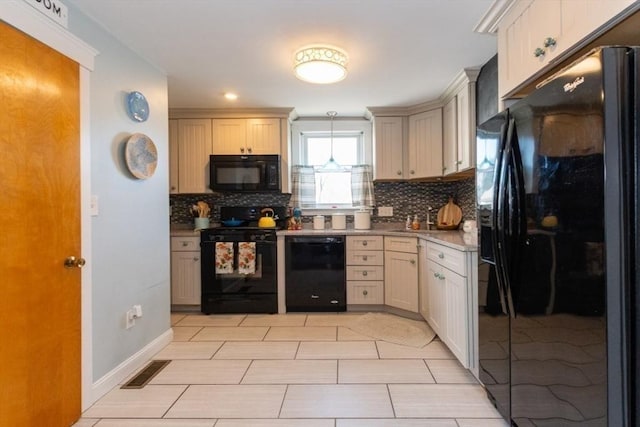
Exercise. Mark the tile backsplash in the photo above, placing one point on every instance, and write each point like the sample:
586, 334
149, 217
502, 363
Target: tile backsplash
406, 198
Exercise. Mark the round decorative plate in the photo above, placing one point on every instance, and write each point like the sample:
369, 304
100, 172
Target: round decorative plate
137, 106
141, 156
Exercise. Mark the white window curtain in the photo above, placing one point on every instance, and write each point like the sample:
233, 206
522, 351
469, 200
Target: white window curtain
362, 186
303, 187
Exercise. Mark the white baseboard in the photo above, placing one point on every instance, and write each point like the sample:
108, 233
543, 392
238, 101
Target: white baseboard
126, 368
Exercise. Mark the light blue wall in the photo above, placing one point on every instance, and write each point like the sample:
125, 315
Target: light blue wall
130, 236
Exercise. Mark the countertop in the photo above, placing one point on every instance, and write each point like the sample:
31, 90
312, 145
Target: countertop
455, 239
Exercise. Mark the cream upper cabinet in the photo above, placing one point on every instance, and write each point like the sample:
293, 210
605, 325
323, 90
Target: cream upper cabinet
173, 156
246, 136
388, 148
450, 137
459, 123
466, 125
533, 33
425, 144
193, 150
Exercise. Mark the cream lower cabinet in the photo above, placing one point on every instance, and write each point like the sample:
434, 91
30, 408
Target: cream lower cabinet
401, 272
185, 271
450, 299
365, 270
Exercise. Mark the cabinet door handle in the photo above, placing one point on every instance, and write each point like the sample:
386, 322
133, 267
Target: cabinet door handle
314, 297
196, 259
242, 150
250, 150
364, 257
413, 262
364, 273
399, 173
364, 243
441, 255
412, 172
538, 52
365, 293
459, 162
549, 41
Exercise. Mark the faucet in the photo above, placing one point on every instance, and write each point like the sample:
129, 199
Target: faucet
429, 222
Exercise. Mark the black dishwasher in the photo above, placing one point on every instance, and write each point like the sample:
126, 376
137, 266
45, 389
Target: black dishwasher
315, 273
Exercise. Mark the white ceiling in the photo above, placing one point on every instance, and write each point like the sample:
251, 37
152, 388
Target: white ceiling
401, 52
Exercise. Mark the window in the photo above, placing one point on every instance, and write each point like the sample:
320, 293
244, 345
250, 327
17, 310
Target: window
320, 183
333, 179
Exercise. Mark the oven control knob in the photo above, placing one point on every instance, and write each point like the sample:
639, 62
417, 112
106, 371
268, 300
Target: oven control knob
263, 237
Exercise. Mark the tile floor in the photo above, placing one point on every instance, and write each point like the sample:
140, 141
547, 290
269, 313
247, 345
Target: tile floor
295, 370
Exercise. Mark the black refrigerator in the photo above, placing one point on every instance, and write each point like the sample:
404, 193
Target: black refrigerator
557, 196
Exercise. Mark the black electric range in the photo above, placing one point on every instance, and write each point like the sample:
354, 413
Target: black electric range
239, 262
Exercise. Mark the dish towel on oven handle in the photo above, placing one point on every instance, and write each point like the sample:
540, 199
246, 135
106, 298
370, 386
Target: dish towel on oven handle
246, 257
224, 257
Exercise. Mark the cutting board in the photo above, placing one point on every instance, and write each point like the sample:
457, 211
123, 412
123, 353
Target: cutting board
449, 216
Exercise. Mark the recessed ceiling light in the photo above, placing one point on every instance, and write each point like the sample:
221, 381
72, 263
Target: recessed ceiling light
231, 96
320, 64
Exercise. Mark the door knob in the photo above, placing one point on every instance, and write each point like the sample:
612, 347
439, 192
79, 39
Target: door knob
71, 262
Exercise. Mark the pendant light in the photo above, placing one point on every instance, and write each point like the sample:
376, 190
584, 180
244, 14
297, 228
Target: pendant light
331, 164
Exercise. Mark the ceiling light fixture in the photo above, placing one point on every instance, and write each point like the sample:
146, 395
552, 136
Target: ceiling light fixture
231, 96
320, 64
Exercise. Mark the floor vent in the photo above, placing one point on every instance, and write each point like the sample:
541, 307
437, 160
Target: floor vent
144, 376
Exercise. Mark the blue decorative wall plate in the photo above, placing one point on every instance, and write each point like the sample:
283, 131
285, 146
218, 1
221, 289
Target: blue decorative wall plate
137, 106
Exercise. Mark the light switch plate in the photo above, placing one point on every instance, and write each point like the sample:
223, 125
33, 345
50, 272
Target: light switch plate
94, 205
385, 211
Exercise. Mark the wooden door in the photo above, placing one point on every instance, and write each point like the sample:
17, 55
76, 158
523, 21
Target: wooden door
40, 227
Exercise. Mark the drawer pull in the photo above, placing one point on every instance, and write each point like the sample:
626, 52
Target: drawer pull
364, 273
441, 255
365, 293
364, 257
364, 243
196, 259
438, 276
185, 244
413, 262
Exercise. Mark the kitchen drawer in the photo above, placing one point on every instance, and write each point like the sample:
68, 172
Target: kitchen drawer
365, 257
364, 272
185, 244
367, 243
401, 244
359, 292
447, 257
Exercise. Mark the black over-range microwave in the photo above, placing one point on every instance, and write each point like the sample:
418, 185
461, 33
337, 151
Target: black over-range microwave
244, 173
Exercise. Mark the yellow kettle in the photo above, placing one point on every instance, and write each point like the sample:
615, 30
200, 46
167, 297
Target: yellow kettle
267, 221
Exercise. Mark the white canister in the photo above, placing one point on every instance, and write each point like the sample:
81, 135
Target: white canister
338, 221
362, 220
318, 222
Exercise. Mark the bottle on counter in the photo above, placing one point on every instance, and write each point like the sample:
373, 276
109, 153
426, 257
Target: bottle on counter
407, 225
415, 225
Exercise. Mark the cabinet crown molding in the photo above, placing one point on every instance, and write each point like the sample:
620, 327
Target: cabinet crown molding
226, 113
490, 20
464, 77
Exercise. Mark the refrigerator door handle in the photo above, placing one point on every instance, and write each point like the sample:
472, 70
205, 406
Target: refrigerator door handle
504, 224
498, 220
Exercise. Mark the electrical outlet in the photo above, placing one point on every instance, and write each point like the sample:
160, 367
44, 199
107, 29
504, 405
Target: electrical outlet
130, 319
137, 311
385, 211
